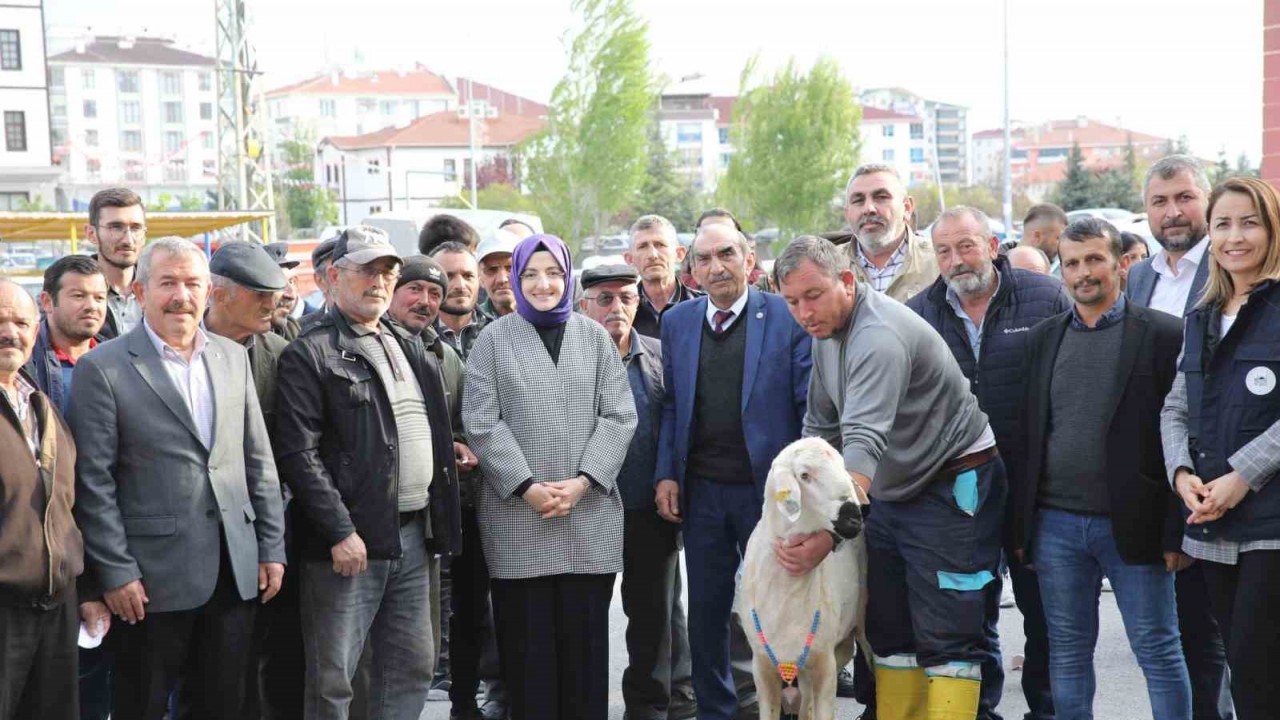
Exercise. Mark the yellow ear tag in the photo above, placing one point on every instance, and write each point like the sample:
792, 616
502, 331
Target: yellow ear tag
788, 503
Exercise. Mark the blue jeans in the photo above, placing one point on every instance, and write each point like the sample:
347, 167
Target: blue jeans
1071, 553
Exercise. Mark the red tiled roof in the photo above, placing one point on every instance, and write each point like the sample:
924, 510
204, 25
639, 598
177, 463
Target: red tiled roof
997, 133
1063, 133
723, 105
417, 81
874, 113
507, 103
107, 49
444, 129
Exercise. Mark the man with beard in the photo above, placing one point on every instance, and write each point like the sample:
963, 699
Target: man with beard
460, 320
118, 228
1041, 229
1087, 505
494, 256
656, 254
288, 311
1176, 195
983, 307
177, 495
885, 252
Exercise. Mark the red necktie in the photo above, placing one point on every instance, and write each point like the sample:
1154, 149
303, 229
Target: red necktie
720, 318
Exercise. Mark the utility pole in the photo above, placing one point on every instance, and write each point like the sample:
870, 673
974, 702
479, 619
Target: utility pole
244, 167
1007, 205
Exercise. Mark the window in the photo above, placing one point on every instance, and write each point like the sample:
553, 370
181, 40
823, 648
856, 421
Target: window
724, 136
1054, 153
175, 170
724, 161
93, 165
88, 80
14, 201
389, 107
206, 81
130, 112
15, 131
886, 130
328, 108
10, 50
887, 155
209, 168
91, 138
917, 155
689, 132
57, 77
450, 170
375, 209
57, 137
374, 167
206, 111
127, 81
171, 83
172, 112
91, 108
366, 105
1018, 154
131, 141
133, 170
172, 141
206, 140
917, 131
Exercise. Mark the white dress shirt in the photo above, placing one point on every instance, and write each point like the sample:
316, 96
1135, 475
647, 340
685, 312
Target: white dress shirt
737, 307
191, 379
1171, 291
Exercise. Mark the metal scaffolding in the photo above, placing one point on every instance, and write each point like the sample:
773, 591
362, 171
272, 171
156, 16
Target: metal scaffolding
244, 168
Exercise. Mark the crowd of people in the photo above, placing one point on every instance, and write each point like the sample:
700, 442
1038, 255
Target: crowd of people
221, 502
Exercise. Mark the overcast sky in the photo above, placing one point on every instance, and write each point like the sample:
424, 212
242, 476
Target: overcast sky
1166, 67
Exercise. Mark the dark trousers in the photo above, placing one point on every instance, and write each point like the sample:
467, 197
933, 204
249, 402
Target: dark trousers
95, 683
214, 642
993, 663
1202, 646
553, 642
277, 673
929, 562
1035, 667
1246, 602
474, 651
38, 652
717, 525
657, 636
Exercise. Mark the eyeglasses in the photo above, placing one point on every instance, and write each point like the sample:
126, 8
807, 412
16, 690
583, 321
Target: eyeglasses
118, 229
371, 272
605, 299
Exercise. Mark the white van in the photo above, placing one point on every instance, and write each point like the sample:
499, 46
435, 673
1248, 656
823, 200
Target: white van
403, 227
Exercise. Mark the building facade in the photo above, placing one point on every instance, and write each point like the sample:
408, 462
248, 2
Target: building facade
896, 140
946, 131
27, 173
134, 111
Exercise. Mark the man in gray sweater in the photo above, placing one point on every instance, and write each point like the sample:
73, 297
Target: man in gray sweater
887, 392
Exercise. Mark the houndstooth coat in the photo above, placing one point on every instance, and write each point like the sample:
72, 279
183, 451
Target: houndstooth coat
527, 417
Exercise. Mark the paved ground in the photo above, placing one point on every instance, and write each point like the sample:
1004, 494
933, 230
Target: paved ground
1121, 692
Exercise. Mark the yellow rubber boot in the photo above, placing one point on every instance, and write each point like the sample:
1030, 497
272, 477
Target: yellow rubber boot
953, 698
901, 692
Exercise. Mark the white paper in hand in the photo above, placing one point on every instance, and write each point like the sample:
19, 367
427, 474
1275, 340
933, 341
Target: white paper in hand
89, 642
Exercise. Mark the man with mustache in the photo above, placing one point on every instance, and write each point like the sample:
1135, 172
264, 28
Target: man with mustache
118, 228
289, 310
460, 320
657, 682
364, 441
42, 549
885, 252
735, 368
177, 495
494, 256
983, 307
656, 254
1091, 500
1176, 195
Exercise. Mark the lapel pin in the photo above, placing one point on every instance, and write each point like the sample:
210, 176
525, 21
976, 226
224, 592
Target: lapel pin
759, 316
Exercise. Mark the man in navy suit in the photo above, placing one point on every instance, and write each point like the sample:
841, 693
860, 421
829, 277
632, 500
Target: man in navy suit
736, 368
1176, 195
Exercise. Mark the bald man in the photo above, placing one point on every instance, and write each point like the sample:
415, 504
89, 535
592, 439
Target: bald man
1030, 258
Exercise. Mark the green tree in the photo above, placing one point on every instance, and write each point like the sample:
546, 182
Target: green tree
590, 161
1245, 169
302, 203
1076, 189
495, 196
35, 204
797, 142
665, 192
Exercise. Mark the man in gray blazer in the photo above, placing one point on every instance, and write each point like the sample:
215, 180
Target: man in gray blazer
178, 498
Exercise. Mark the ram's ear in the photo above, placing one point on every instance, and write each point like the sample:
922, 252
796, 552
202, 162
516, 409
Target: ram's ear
786, 494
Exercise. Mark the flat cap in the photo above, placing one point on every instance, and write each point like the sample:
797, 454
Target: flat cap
323, 251
361, 245
249, 265
279, 251
609, 273
421, 267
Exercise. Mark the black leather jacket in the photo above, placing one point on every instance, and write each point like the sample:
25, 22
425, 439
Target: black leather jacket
336, 442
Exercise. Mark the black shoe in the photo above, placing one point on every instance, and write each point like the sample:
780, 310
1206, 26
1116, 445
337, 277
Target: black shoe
464, 714
845, 687
683, 710
493, 710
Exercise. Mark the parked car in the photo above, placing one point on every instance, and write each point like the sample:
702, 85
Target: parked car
1115, 216
403, 227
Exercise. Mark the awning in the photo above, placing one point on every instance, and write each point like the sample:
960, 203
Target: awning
35, 226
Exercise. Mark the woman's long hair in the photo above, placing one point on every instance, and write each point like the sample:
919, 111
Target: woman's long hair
1219, 288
